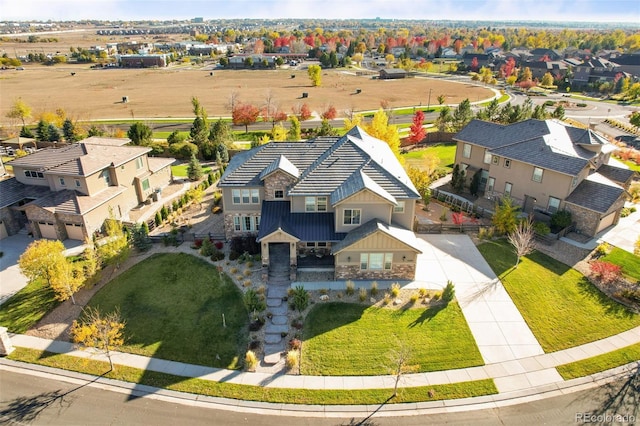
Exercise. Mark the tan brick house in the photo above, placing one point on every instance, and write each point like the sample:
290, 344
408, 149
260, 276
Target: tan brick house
342, 199
68, 192
546, 166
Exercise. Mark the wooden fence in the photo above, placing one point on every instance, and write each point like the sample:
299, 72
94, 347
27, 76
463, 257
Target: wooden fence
441, 228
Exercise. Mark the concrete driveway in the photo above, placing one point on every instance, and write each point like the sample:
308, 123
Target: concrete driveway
11, 279
624, 234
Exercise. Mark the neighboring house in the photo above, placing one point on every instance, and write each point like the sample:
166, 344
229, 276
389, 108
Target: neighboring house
68, 192
627, 62
596, 70
558, 69
546, 166
392, 73
343, 198
143, 61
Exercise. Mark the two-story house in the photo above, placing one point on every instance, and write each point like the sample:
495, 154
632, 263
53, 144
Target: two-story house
346, 197
68, 192
546, 166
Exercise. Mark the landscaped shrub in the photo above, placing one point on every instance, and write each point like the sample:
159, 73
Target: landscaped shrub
541, 228
233, 255
374, 288
395, 290
219, 245
414, 298
486, 232
422, 292
207, 248
217, 255
602, 249
250, 361
386, 299
362, 294
254, 301
351, 288
292, 360
606, 272
295, 344
299, 298
449, 292
631, 294
561, 219
158, 219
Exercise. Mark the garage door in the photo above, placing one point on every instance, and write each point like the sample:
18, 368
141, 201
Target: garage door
74, 231
47, 230
606, 221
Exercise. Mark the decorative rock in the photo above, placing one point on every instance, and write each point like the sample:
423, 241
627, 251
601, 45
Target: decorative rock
324, 297
397, 302
373, 300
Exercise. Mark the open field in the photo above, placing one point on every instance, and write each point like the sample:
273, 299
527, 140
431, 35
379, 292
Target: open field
97, 93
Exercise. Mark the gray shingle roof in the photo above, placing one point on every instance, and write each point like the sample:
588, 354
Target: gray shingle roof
596, 193
324, 165
280, 163
12, 191
356, 183
375, 225
548, 144
616, 174
71, 202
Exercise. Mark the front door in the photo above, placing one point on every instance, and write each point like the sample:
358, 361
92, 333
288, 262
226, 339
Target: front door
279, 262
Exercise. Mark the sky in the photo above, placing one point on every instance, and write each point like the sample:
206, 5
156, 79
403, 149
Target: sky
492, 10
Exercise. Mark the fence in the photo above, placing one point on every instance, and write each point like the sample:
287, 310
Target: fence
177, 238
458, 203
440, 228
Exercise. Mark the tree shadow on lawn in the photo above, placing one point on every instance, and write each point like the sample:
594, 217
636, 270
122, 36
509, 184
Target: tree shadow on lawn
611, 307
428, 314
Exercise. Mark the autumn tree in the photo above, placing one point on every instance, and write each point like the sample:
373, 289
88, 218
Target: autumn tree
116, 249
101, 332
279, 133
140, 134
634, 119
474, 64
547, 80
422, 182
522, 239
315, 75
295, 132
19, 111
353, 121
245, 114
381, 129
330, 113
417, 132
305, 112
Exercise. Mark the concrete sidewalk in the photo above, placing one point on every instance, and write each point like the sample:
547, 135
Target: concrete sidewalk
509, 376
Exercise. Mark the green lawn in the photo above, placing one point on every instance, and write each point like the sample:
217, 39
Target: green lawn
181, 170
352, 339
256, 393
630, 263
562, 308
173, 306
446, 152
25, 308
600, 363
631, 164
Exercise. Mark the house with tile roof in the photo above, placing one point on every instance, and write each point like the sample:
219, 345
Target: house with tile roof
343, 199
546, 166
69, 191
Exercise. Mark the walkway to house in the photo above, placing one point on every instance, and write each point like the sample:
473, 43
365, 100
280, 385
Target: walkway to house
277, 286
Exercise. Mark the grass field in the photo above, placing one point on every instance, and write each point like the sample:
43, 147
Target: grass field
181, 170
173, 306
600, 363
562, 308
629, 263
446, 152
25, 308
97, 93
352, 339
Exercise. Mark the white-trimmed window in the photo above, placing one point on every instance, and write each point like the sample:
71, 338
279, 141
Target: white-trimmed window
245, 196
487, 157
321, 204
537, 174
491, 183
495, 160
310, 204
246, 223
507, 189
376, 261
351, 217
507, 163
466, 150
145, 184
62, 182
235, 193
574, 181
399, 208
138, 163
554, 204
78, 183
106, 176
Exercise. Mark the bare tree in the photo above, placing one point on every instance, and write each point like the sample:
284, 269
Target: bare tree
234, 99
269, 104
399, 359
522, 239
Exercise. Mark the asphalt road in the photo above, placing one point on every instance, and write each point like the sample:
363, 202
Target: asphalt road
33, 399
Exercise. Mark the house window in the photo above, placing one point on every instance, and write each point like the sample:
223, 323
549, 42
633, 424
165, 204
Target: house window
105, 175
310, 204
246, 196
507, 163
491, 184
77, 183
311, 244
138, 163
236, 196
376, 261
279, 193
236, 223
322, 244
34, 174
554, 204
466, 150
507, 189
495, 160
255, 196
351, 217
537, 174
145, 184
322, 204
487, 157
399, 208
574, 181
246, 223
62, 182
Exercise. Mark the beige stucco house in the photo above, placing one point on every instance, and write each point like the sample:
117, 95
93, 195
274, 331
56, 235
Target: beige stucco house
546, 166
343, 199
68, 192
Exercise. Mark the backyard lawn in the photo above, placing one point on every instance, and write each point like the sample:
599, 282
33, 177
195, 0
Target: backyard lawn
351, 339
173, 306
25, 308
629, 263
181, 170
446, 152
562, 308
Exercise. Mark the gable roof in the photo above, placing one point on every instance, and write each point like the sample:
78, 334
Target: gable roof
324, 164
596, 193
616, 174
403, 235
281, 163
549, 144
12, 191
357, 182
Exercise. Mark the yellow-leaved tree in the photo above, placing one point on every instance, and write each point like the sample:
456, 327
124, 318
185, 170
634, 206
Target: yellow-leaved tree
381, 129
104, 333
315, 74
355, 120
279, 133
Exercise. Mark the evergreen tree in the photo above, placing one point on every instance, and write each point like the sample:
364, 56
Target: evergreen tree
69, 131
194, 171
42, 133
462, 115
475, 183
26, 132
53, 134
457, 178
222, 153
